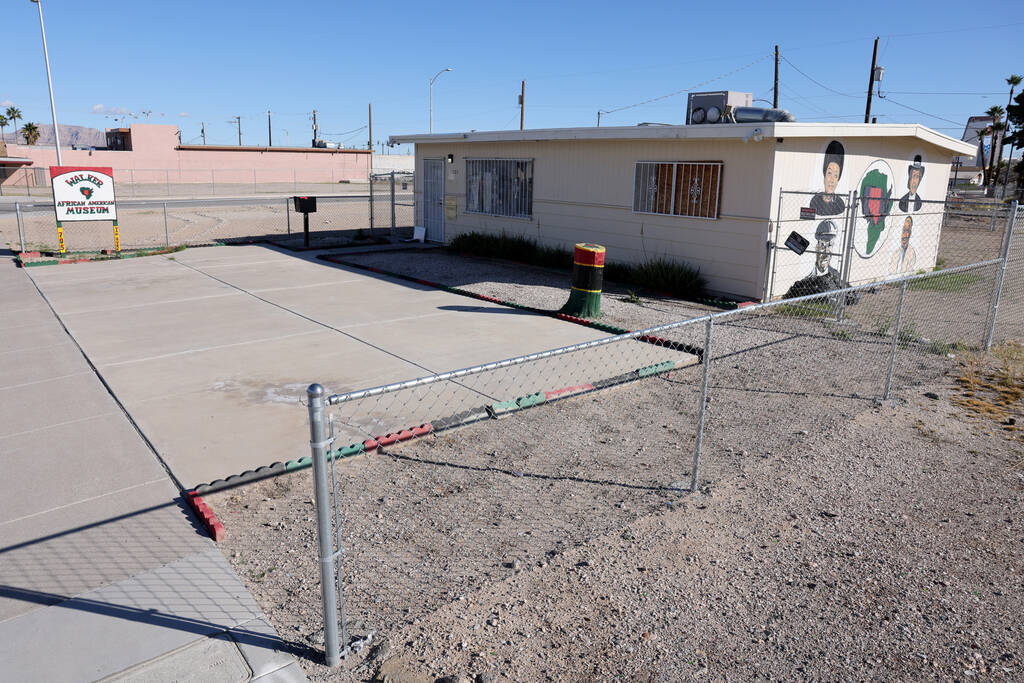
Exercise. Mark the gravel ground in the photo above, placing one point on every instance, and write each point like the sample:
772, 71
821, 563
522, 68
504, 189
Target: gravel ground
833, 536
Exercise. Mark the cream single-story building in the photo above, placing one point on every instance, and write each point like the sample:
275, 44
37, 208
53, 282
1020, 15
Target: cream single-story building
715, 196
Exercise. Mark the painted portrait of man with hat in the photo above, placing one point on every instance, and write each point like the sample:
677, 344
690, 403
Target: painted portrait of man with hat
915, 172
828, 203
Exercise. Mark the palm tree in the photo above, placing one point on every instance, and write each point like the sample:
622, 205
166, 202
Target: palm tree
13, 113
1013, 81
31, 133
3, 123
996, 112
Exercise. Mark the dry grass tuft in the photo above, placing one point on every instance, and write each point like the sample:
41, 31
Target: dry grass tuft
992, 387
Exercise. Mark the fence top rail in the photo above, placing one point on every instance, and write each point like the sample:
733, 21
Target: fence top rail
336, 399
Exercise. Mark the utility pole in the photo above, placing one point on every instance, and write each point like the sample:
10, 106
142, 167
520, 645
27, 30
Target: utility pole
202, 131
522, 106
238, 122
598, 118
775, 97
316, 129
270, 136
871, 81
369, 140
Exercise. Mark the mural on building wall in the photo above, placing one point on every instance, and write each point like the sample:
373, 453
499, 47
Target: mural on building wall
827, 258
911, 201
875, 190
829, 202
904, 254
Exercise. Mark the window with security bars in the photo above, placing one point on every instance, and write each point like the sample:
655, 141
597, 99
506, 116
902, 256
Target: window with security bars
500, 187
678, 188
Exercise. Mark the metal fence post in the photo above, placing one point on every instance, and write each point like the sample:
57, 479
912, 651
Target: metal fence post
167, 179
695, 475
254, 181
371, 204
213, 182
998, 291
167, 237
288, 215
392, 205
21, 226
318, 443
895, 341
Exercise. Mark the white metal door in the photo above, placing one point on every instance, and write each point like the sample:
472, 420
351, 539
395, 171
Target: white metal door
433, 199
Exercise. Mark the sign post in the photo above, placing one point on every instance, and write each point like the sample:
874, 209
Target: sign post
83, 193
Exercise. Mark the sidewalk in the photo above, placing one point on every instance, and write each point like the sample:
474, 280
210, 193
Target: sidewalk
104, 573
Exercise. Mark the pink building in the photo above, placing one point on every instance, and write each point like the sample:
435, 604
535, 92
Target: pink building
151, 154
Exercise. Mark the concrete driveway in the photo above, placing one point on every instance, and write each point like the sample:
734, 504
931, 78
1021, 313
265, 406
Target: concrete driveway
210, 350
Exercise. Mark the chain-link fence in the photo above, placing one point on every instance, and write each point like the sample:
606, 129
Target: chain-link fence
1009, 308
384, 213
471, 474
201, 182
821, 244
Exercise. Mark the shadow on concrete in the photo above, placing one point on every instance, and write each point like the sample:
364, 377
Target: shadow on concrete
486, 309
175, 503
199, 627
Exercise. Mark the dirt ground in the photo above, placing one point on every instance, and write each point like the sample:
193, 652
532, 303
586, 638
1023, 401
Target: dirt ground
833, 536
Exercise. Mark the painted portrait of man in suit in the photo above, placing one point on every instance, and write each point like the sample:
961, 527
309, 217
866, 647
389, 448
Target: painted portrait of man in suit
915, 172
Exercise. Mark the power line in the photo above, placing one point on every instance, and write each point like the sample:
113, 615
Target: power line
688, 89
816, 82
887, 99
917, 92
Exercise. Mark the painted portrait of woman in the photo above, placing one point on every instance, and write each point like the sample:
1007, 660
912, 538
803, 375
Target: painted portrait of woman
828, 203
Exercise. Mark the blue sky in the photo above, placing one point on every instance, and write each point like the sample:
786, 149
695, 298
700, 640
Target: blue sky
193, 62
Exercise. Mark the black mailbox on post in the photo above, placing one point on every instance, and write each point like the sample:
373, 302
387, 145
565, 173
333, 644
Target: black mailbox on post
305, 204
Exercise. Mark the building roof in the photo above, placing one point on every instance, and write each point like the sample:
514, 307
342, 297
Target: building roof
722, 131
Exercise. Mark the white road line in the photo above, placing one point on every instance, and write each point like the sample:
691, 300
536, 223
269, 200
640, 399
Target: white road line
283, 259
383, 321
318, 284
43, 381
206, 348
26, 327
36, 348
57, 424
151, 303
86, 500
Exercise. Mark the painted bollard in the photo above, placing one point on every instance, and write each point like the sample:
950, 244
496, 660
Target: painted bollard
587, 277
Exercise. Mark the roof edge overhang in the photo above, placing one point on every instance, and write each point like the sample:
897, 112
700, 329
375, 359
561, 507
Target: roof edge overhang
723, 131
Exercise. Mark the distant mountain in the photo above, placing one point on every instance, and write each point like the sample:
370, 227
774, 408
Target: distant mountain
69, 135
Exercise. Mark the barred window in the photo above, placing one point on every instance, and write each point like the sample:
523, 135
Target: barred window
500, 187
678, 188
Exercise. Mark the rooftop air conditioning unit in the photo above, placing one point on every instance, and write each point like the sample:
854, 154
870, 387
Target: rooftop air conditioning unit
710, 107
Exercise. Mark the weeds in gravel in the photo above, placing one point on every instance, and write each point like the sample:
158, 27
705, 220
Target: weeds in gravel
660, 274
812, 308
953, 283
995, 389
632, 298
840, 334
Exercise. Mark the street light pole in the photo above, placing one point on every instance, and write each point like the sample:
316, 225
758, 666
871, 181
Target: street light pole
432, 97
49, 82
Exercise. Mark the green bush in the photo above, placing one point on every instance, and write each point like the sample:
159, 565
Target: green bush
661, 275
